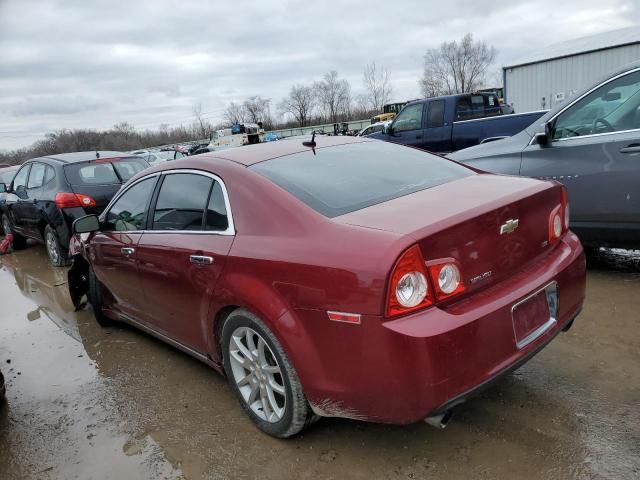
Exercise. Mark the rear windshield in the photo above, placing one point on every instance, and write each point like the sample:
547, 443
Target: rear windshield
104, 172
338, 180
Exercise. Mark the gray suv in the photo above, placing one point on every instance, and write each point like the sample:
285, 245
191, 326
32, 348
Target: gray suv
592, 145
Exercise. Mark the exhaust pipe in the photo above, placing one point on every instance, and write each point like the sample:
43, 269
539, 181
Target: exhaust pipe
439, 421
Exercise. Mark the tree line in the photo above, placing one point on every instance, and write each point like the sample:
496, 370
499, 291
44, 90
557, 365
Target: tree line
453, 67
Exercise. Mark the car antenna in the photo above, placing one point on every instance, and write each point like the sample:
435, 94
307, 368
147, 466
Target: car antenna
312, 143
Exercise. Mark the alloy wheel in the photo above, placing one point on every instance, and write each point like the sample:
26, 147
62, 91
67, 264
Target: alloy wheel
52, 248
257, 374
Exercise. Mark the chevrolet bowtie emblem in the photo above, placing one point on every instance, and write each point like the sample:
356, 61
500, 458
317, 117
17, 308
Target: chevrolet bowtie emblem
509, 226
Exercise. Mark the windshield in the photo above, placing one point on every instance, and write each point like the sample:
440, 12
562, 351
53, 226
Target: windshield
338, 180
7, 176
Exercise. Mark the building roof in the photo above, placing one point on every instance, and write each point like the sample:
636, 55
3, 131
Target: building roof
592, 43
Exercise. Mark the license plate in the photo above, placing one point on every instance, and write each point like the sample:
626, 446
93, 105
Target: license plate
535, 314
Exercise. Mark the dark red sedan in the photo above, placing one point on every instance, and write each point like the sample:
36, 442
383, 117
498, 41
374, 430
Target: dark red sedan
356, 279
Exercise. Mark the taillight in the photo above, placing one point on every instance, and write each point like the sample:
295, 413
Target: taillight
71, 200
559, 218
408, 286
446, 278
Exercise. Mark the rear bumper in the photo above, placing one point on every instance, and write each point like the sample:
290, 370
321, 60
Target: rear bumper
404, 370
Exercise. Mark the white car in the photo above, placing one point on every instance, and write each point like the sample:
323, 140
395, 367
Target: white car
376, 127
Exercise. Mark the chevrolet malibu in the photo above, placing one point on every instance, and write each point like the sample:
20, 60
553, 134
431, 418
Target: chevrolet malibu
336, 278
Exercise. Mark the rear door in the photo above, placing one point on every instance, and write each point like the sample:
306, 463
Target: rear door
407, 127
437, 135
35, 203
113, 250
595, 152
183, 253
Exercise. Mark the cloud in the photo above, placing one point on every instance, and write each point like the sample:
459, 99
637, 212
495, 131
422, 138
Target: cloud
69, 64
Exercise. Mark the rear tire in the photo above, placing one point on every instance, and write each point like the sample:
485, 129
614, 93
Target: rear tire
94, 295
264, 380
58, 255
19, 242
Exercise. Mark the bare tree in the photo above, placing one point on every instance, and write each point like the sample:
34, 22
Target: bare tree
456, 67
333, 95
234, 113
377, 81
257, 109
202, 125
299, 103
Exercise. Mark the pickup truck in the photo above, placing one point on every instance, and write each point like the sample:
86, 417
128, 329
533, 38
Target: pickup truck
450, 123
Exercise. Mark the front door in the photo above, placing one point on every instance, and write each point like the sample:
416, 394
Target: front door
406, 128
183, 254
595, 152
113, 250
16, 201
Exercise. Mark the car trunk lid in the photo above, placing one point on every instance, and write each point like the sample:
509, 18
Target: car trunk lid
492, 225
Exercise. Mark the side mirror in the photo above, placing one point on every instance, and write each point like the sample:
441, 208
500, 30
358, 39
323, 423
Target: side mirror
389, 130
86, 224
544, 139
3, 188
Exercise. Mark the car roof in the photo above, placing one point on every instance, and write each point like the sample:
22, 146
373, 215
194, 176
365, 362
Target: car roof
252, 154
76, 157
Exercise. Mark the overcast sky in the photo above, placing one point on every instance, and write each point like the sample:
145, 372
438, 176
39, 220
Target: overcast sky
91, 64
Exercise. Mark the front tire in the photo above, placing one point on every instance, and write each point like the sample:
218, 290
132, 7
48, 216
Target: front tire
94, 295
262, 376
19, 242
58, 255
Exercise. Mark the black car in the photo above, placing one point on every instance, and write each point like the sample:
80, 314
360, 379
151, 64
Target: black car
48, 193
6, 175
2, 388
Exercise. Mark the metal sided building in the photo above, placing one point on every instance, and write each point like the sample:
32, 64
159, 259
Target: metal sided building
548, 77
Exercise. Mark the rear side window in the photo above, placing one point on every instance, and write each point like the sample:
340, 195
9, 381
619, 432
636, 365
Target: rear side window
128, 212
104, 172
36, 176
435, 114
216, 219
338, 180
181, 202
40, 175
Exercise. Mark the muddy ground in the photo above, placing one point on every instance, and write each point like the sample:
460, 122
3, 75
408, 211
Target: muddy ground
92, 403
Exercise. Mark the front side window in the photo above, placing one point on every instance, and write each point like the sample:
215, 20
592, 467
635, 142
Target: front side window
20, 180
409, 119
181, 202
613, 107
128, 213
36, 176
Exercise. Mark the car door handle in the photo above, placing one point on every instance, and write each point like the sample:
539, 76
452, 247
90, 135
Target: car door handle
201, 259
633, 148
128, 251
